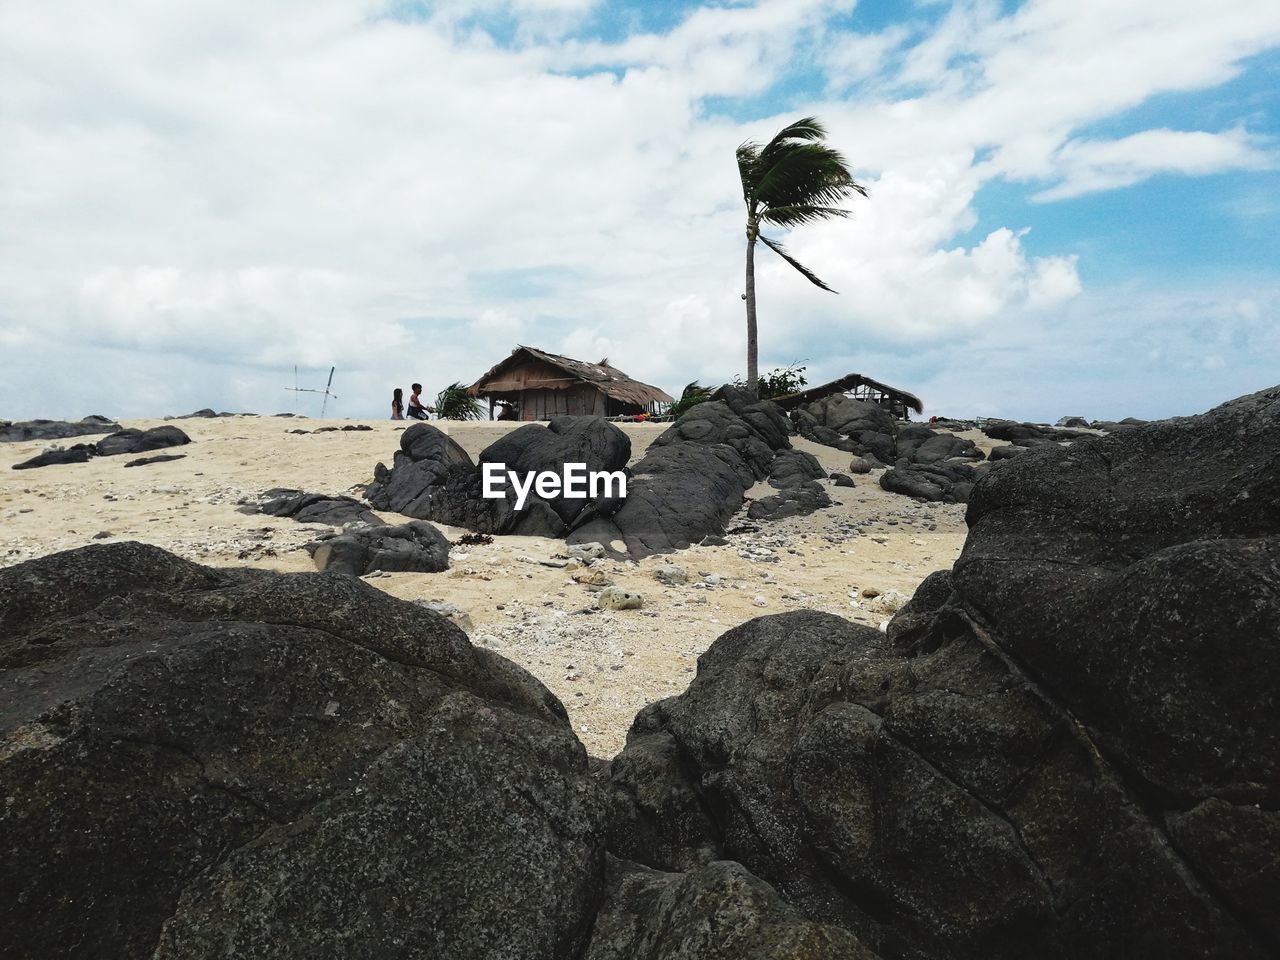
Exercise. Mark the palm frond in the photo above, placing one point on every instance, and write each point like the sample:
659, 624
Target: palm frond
808, 274
806, 128
790, 216
748, 155
804, 174
454, 403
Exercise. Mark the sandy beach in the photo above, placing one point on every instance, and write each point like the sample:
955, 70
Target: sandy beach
604, 666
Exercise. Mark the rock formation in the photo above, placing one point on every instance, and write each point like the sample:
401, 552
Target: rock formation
413, 547
925, 463
1066, 746
120, 442
690, 482
313, 508
203, 762
433, 478
25, 430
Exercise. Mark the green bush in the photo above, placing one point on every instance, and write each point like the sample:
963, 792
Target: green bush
454, 403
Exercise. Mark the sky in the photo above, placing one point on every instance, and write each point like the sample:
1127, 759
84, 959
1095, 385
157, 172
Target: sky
1073, 204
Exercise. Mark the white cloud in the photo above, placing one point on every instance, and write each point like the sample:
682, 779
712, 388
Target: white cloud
1087, 166
216, 191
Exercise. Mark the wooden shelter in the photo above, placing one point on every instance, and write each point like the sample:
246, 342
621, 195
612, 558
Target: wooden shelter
899, 402
543, 385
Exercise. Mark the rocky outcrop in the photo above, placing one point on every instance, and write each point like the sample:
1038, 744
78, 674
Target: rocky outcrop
1067, 746
433, 478
935, 482
313, 508
140, 441
926, 463
414, 547
120, 442
199, 763
1010, 431
857, 426
714, 912
26, 430
158, 458
77, 453
693, 478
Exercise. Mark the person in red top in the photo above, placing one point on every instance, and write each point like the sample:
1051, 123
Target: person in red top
417, 409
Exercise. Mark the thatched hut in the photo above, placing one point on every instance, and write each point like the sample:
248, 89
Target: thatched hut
543, 385
899, 402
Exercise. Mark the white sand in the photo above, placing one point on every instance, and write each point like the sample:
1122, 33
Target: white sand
604, 666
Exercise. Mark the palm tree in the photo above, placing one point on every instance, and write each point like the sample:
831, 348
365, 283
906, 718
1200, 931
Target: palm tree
794, 178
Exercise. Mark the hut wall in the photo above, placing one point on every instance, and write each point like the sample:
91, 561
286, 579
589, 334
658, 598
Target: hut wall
579, 400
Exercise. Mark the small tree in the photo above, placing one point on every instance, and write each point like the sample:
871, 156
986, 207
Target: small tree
779, 382
793, 179
694, 394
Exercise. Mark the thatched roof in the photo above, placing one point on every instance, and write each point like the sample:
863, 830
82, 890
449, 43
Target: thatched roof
507, 377
844, 384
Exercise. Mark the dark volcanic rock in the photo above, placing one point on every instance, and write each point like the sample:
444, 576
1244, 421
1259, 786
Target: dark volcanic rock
791, 468
414, 547
123, 441
201, 763
795, 501
158, 458
1067, 746
79, 453
948, 482
205, 414
1012, 432
1006, 452
314, 508
433, 478
23, 430
140, 441
716, 912
922, 454
693, 478
857, 426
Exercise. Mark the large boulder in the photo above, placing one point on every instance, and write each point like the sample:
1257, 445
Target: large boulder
140, 441
945, 481
413, 547
433, 478
693, 477
24, 430
76, 453
857, 426
202, 763
336, 511
715, 912
1067, 746
120, 442
924, 457
1010, 431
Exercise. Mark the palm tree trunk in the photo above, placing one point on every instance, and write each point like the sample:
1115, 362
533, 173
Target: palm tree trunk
752, 342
